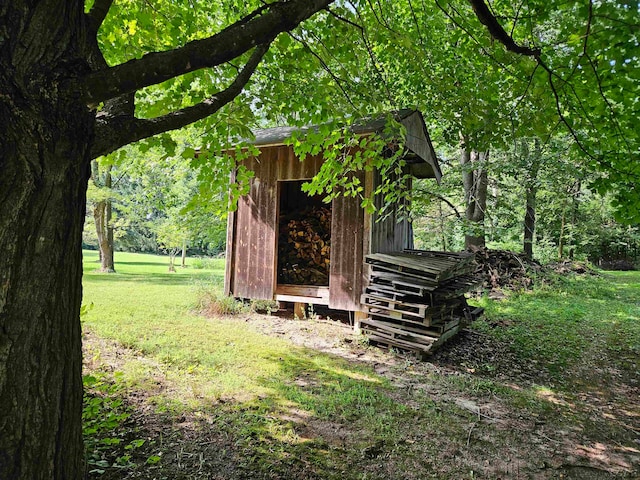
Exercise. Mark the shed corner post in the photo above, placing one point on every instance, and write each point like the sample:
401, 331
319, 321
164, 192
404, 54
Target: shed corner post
358, 316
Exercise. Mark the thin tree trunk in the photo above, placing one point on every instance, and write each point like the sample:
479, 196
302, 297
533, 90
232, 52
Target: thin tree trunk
184, 254
442, 229
102, 215
561, 239
531, 191
475, 182
575, 206
529, 221
107, 257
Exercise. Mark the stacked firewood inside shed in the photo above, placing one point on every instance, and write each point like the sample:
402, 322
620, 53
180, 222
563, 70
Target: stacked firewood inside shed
415, 299
304, 247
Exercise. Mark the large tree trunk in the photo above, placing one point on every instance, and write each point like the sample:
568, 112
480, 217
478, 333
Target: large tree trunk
475, 182
44, 160
50, 69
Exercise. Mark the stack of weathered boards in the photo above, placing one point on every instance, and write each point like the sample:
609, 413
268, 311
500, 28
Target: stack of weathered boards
415, 299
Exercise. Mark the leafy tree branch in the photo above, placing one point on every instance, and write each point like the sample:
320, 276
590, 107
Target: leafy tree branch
98, 13
233, 41
113, 132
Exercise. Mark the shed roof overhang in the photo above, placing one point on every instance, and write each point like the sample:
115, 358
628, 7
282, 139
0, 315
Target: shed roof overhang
421, 157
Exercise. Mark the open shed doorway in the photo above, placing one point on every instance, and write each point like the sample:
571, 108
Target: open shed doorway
304, 245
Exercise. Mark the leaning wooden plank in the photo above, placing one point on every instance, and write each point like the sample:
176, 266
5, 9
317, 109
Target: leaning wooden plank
400, 343
446, 336
398, 331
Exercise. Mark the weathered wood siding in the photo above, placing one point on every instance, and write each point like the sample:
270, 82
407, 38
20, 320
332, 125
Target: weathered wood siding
251, 263
389, 234
254, 246
345, 272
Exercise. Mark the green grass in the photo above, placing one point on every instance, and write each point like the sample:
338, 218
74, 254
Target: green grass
562, 325
255, 391
205, 360
188, 363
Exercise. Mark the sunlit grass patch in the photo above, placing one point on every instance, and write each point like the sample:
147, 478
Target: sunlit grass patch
562, 323
277, 407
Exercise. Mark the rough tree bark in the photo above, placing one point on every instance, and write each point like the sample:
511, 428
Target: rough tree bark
475, 182
102, 218
51, 71
531, 191
44, 146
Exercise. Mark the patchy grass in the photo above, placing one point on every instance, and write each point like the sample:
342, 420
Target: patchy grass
572, 322
543, 388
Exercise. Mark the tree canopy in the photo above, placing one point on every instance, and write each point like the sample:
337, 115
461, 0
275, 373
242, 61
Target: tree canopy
81, 81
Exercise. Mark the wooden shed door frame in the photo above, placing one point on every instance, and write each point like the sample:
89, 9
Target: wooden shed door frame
306, 293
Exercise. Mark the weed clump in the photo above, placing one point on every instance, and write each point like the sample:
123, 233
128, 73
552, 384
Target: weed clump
211, 302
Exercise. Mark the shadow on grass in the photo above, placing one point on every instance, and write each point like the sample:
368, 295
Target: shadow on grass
318, 415
321, 417
154, 279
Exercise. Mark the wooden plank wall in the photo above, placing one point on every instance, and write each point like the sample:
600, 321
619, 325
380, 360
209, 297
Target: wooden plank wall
254, 240
389, 235
345, 275
252, 269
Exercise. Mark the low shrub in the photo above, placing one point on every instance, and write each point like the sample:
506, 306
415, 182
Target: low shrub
108, 443
201, 263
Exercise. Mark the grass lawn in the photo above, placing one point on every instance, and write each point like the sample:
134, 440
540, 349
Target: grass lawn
545, 387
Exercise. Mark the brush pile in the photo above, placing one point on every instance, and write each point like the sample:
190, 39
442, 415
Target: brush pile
304, 247
502, 269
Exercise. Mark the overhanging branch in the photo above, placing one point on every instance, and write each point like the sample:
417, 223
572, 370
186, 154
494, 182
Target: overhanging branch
98, 13
222, 47
495, 29
117, 131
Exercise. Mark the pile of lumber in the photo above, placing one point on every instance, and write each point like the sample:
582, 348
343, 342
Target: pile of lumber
304, 247
415, 299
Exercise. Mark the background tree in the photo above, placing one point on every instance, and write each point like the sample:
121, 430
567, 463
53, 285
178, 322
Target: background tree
475, 180
101, 199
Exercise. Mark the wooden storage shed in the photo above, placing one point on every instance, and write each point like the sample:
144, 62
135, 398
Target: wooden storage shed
253, 229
